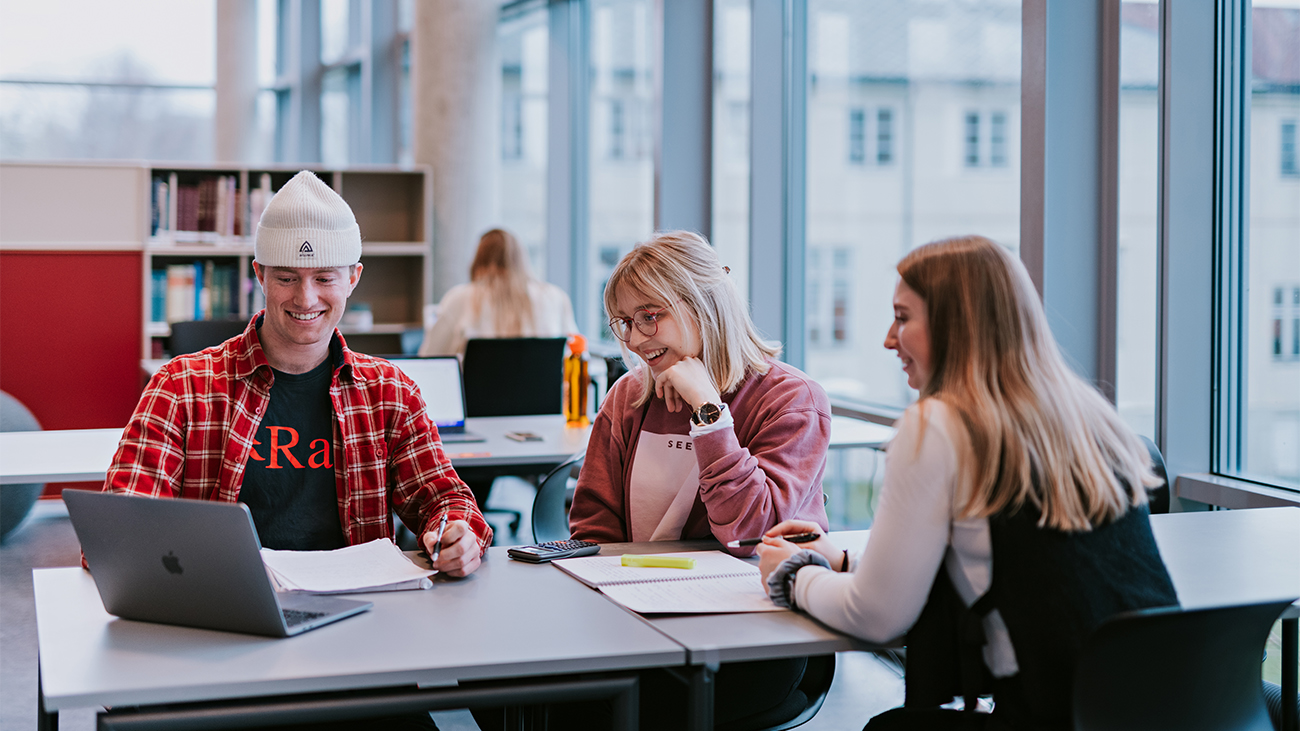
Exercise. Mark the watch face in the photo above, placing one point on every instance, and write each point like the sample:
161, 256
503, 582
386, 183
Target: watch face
706, 414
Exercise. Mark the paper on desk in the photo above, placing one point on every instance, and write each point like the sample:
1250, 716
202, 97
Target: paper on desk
709, 596
375, 566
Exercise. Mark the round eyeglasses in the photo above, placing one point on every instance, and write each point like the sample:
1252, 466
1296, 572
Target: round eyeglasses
645, 320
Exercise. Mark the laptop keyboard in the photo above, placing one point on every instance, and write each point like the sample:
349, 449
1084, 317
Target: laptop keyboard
295, 617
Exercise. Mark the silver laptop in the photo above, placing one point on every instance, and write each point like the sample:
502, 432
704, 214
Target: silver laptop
189, 562
441, 385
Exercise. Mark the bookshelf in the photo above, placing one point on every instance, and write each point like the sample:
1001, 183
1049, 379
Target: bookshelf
199, 251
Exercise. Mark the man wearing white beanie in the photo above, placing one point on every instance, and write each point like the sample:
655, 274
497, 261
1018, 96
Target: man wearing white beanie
322, 443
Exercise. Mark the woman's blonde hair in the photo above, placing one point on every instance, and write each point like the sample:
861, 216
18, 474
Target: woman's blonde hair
500, 268
681, 270
1039, 433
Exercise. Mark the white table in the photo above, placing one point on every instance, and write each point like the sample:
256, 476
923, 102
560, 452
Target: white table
83, 455
450, 646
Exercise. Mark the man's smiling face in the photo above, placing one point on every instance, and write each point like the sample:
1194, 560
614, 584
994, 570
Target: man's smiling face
303, 306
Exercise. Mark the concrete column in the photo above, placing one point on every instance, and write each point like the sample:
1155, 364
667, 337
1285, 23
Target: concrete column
456, 126
236, 120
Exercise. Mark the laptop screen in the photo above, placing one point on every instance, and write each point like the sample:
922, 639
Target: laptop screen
439, 382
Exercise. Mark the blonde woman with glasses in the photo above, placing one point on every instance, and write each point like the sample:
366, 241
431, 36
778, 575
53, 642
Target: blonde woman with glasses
1013, 517
709, 436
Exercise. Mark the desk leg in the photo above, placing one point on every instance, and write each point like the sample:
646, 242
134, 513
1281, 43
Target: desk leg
699, 698
1290, 657
45, 720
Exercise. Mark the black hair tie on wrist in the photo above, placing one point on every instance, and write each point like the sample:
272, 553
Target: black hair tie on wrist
780, 583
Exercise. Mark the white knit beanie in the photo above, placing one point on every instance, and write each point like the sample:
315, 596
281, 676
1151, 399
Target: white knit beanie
307, 225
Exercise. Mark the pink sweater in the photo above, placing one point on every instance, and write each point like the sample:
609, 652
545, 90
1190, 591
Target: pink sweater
766, 469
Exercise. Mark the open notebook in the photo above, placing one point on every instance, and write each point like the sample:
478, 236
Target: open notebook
719, 583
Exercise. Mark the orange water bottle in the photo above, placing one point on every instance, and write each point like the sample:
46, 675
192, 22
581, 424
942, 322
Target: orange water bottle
576, 382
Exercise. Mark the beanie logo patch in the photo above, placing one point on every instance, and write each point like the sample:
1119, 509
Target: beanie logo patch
306, 250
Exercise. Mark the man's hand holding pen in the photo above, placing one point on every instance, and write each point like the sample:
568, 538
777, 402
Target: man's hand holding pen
774, 549
457, 553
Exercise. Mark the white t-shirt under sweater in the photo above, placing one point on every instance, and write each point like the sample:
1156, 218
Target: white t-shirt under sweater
457, 322
914, 532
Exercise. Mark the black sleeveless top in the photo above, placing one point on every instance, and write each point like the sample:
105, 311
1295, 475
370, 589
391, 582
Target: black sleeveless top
1052, 589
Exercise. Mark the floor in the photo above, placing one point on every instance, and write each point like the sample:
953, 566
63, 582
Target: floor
864, 683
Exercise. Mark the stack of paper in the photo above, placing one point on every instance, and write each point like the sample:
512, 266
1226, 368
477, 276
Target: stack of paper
719, 583
375, 566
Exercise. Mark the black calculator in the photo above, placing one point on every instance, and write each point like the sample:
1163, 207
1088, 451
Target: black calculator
551, 550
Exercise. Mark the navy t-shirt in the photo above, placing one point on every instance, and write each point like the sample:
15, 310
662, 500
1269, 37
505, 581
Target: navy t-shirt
289, 482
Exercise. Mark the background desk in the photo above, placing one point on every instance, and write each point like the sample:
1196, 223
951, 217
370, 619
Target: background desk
83, 455
80, 455
485, 628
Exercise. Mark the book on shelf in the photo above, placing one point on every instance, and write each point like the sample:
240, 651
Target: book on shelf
187, 210
202, 290
718, 583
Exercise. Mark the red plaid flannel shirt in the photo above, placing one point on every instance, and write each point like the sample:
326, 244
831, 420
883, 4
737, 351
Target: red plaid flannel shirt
193, 429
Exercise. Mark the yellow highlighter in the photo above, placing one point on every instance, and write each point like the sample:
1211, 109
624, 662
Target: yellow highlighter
658, 562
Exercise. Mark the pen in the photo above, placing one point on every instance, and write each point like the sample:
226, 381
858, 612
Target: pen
663, 562
793, 538
437, 543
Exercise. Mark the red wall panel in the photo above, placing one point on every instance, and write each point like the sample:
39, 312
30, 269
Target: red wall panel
70, 337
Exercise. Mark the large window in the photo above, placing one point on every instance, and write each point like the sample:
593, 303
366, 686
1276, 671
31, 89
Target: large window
731, 54
522, 39
107, 85
1270, 444
1138, 187
620, 145
912, 135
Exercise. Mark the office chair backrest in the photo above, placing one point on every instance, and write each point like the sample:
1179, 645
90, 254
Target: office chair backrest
1168, 668
551, 505
514, 376
1158, 496
194, 335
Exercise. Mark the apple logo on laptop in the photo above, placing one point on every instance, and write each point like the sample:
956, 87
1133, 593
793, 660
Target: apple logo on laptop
172, 564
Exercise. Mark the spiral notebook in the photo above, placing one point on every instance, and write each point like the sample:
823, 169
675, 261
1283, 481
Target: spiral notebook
720, 583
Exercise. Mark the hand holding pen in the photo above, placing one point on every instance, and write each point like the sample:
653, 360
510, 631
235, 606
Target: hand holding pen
452, 547
788, 537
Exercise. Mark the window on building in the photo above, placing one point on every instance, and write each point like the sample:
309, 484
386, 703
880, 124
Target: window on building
857, 136
972, 140
617, 130
998, 139
1288, 151
884, 136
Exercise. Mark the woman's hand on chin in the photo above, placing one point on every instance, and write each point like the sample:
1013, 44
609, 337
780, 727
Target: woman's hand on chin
686, 383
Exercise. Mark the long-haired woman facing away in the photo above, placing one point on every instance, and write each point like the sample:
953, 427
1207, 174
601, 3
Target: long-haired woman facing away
502, 300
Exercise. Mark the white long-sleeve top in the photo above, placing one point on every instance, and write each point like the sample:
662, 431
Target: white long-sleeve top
915, 530
457, 322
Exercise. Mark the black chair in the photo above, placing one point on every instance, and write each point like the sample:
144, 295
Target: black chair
17, 500
514, 376
195, 335
1169, 668
551, 506
1158, 496
808, 697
